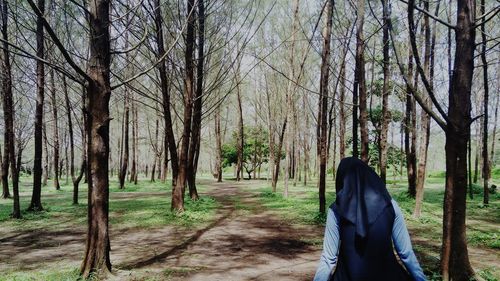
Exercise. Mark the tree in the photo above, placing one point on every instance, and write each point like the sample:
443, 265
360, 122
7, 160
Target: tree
36, 204
455, 264
55, 128
323, 105
255, 150
385, 90
194, 146
180, 185
8, 112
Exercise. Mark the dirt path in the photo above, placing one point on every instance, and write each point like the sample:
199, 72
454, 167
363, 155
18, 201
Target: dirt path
242, 244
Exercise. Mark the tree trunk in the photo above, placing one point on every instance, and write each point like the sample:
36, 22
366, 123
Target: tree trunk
56, 130
385, 91
290, 97
425, 118
486, 160
218, 145
8, 112
455, 263
179, 188
75, 179
169, 141
342, 118
133, 167
410, 134
46, 169
360, 86
96, 257
323, 105
495, 119
198, 103
36, 202
240, 139
125, 144
156, 151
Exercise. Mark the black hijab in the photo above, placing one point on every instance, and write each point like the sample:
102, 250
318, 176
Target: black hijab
361, 194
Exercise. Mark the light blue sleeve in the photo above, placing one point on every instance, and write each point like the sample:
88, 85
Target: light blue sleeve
328, 259
402, 244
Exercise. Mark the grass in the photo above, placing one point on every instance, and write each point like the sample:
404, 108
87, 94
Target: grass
65, 274
144, 205
482, 221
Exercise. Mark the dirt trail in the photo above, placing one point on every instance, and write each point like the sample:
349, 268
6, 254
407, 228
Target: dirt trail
242, 244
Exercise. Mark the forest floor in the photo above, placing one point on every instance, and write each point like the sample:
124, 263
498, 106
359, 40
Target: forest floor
239, 231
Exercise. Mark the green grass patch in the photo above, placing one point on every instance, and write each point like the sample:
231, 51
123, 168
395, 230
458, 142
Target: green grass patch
66, 274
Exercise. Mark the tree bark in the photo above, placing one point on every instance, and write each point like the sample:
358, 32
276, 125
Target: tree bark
290, 104
241, 136
96, 257
55, 162
36, 202
455, 263
410, 134
360, 86
486, 100
133, 168
385, 91
218, 145
179, 188
125, 141
323, 105
425, 121
169, 140
194, 146
8, 111
75, 179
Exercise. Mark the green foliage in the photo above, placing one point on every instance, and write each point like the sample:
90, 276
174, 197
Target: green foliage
255, 149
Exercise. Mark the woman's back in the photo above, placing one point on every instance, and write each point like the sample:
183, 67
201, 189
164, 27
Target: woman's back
369, 258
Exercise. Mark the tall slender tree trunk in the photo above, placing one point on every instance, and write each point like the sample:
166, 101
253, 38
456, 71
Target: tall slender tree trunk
156, 150
241, 136
36, 202
133, 167
5, 189
486, 100
385, 91
455, 264
194, 146
425, 120
75, 179
179, 188
360, 86
96, 257
290, 98
342, 117
5, 169
8, 112
46, 165
323, 105
125, 141
169, 140
495, 119
410, 134
56, 129
218, 145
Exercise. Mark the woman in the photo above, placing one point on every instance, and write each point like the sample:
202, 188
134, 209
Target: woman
361, 228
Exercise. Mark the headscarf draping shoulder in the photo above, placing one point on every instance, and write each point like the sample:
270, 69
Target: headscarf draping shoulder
361, 194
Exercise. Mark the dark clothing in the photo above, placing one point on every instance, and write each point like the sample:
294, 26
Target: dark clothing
362, 226
370, 258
